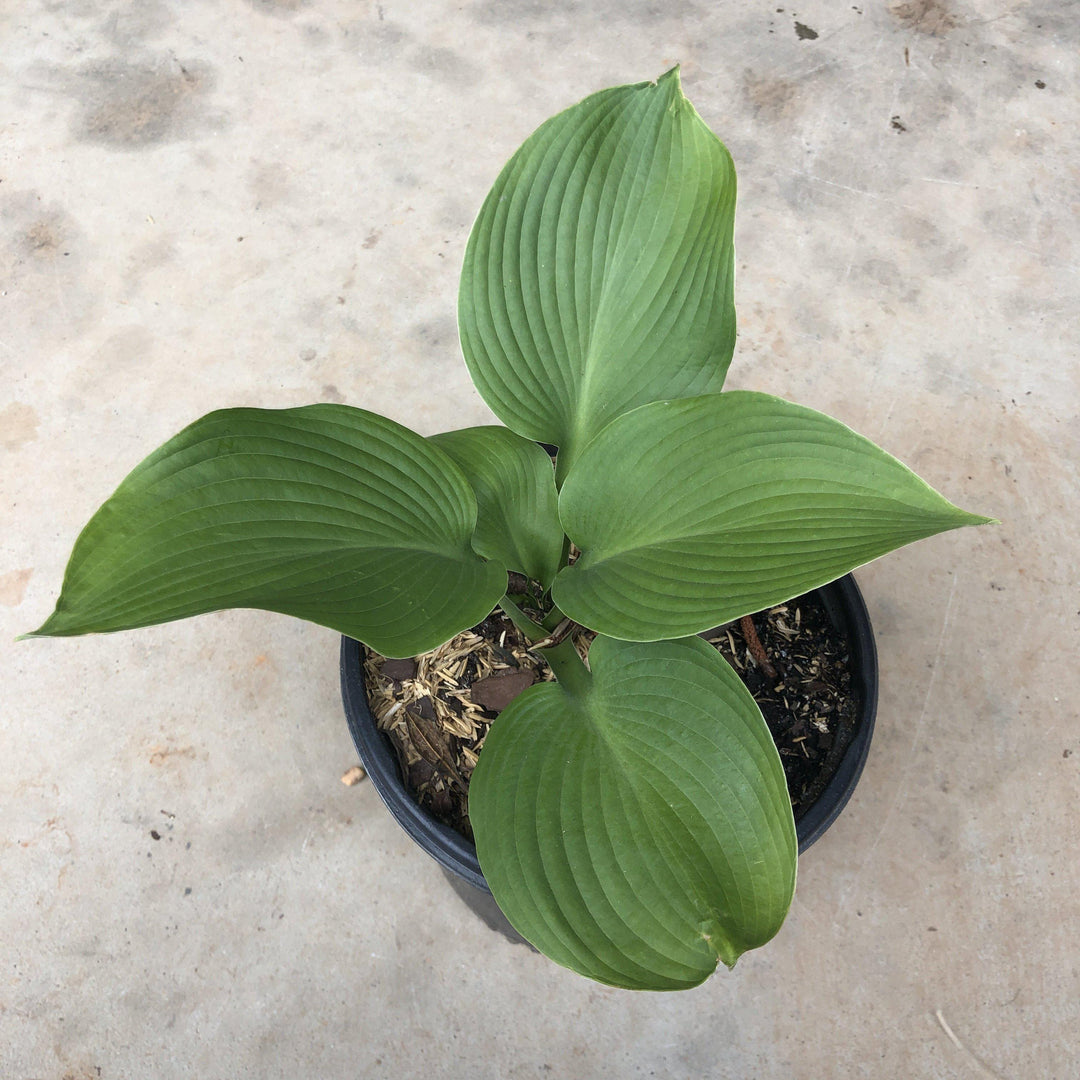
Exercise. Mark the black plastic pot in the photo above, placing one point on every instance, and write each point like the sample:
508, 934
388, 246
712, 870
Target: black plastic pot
447, 846
844, 604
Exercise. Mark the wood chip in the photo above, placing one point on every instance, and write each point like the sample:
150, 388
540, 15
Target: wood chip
432, 744
352, 777
399, 669
497, 691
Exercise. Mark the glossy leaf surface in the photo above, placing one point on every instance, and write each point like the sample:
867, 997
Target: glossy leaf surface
518, 507
693, 512
599, 273
638, 828
329, 513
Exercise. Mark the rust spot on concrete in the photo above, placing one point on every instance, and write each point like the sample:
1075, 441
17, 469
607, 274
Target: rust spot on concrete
162, 755
18, 425
13, 586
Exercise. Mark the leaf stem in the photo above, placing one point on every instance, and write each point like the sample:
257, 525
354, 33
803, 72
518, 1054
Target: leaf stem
564, 558
532, 630
568, 666
560, 654
553, 618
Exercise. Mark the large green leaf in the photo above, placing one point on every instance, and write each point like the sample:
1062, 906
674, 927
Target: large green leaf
518, 507
693, 512
329, 513
599, 273
638, 827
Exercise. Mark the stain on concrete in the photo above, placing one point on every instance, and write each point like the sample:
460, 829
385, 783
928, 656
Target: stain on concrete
279, 7
166, 755
932, 17
444, 64
331, 393
945, 378
43, 289
126, 348
270, 184
13, 586
137, 22
315, 36
371, 239
146, 258
1051, 20
805, 33
651, 10
42, 239
945, 102
887, 274
769, 98
511, 11
501, 12
130, 105
117, 368
936, 254
437, 333
18, 425
40, 234
78, 9
377, 42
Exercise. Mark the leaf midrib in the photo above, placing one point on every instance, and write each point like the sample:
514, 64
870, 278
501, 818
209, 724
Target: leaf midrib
590, 560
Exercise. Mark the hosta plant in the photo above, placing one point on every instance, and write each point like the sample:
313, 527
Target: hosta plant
631, 818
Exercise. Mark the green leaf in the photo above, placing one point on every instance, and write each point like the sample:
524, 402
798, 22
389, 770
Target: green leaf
638, 828
329, 513
599, 273
517, 522
690, 513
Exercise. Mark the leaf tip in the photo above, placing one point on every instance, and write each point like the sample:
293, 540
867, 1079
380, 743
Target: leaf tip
673, 74
722, 943
965, 518
671, 81
724, 949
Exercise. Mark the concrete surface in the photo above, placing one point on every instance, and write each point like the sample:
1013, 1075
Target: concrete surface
208, 204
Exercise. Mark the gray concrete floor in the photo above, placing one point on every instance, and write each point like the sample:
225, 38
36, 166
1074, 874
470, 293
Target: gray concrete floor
208, 204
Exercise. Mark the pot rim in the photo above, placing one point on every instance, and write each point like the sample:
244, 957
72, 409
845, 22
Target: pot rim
845, 606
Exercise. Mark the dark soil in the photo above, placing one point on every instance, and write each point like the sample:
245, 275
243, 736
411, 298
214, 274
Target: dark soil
810, 708
437, 709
